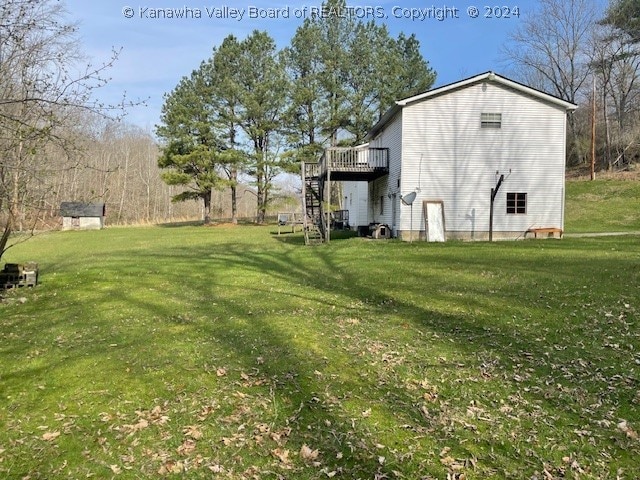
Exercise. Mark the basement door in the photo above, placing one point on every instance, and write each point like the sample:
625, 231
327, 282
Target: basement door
433, 212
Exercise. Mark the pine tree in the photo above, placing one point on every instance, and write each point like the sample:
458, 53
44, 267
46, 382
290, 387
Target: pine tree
625, 16
223, 72
192, 153
263, 88
345, 74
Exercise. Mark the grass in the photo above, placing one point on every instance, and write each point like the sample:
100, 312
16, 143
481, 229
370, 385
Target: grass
604, 205
236, 353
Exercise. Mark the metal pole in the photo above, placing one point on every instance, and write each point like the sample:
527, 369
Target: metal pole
494, 192
493, 196
411, 236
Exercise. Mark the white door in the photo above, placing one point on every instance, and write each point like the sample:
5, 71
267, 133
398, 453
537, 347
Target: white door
434, 221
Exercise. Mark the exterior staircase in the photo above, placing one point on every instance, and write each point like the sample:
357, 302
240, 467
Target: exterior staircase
337, 164
314, 224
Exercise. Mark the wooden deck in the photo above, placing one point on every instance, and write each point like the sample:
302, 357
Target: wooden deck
355, 164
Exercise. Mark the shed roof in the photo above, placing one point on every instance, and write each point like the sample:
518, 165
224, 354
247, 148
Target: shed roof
82, 209
483, 77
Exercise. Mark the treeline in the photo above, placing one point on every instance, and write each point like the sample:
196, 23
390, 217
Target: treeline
58, 143
252, 111
575, 50
116, 163
255, 110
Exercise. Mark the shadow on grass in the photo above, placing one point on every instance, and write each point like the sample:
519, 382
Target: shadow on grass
325, 329
333, 283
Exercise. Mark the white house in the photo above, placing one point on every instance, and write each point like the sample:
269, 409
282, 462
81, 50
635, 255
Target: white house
462, 148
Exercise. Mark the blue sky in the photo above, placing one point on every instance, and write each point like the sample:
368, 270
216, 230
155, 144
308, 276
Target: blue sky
157, 52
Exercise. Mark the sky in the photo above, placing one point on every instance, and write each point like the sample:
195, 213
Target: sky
459, 38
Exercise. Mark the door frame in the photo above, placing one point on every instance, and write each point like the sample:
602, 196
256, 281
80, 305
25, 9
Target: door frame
425, 214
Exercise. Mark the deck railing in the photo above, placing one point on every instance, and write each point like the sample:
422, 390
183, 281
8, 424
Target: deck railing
354, 159
311, 170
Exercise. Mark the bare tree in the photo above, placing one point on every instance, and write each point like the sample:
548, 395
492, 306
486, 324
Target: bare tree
616, 63
550, 50
42, 87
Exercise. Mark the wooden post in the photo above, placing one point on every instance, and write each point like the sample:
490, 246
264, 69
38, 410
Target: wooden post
303, 168
493, 196
327, 224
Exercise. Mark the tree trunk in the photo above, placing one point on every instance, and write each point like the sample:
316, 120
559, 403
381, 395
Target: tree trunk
5, 237
14, 206
207, 207
124, 193
261, 214
234, 196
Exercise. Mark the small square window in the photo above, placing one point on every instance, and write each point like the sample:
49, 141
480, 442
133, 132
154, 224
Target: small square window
516, 203
491, 120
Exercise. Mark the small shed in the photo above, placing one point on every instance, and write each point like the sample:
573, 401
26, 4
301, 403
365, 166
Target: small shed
82, 216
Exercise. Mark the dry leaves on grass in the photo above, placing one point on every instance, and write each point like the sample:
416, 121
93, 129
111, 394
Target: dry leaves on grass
308, 455
50, 436
624, 427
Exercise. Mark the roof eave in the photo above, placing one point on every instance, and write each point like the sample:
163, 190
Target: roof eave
487, 76
386, 118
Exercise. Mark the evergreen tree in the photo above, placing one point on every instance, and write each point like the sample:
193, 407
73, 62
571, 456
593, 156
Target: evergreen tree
345, 74
263, 90
192, 153
223, 71
304, 67
625, 16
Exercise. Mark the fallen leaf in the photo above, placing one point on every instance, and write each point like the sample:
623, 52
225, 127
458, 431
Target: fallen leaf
187, 447
624, 427
307, 454
49, 436
282, 455
193, 432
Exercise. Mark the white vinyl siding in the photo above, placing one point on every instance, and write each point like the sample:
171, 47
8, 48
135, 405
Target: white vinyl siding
391, 138
447, 155
357, 203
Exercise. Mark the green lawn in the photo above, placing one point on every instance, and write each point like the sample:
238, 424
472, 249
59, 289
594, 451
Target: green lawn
234, 353
604, 205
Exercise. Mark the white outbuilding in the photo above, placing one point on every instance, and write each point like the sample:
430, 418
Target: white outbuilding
82, 215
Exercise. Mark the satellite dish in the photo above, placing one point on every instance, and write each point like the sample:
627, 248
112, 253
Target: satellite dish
409, 198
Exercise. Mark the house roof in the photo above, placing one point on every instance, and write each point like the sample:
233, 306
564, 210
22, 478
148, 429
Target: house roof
81, 209
483, 77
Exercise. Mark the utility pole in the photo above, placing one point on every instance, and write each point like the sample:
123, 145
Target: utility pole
593, 130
